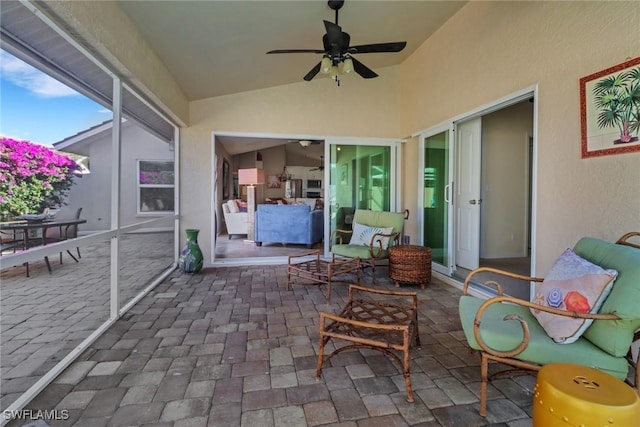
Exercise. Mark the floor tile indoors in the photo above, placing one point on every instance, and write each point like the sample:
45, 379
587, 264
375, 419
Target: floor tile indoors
233, 347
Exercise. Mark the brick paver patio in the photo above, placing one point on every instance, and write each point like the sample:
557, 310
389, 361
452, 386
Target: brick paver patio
232, 347
44, 316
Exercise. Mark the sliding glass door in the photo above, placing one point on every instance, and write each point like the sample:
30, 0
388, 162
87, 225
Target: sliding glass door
436, 198
360, 176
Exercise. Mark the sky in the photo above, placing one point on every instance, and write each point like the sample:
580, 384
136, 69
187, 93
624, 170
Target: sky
38, 108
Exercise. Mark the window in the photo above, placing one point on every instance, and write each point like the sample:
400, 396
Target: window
155, 186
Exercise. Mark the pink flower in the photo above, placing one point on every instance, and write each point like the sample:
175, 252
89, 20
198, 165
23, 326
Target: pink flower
33, 168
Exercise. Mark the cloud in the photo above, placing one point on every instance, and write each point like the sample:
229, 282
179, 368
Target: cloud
24, 75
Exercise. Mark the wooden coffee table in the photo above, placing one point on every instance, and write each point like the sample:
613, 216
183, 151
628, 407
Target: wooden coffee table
317, 271
376, 319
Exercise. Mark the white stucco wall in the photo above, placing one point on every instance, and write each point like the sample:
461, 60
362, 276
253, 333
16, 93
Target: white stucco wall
92, 192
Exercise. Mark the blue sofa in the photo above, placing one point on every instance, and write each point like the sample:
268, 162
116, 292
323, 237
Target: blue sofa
288, 224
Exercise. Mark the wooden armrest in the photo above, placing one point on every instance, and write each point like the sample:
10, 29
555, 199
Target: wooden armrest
493, 282
624, 239
525, 328
334, 233
375, 246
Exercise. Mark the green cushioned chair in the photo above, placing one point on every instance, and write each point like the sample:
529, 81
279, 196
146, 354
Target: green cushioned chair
503, 329
375, 250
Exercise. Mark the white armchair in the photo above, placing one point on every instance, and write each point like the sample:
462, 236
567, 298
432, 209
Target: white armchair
235, 220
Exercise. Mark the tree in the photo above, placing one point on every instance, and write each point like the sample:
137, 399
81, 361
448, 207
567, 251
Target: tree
32, 177
618, 98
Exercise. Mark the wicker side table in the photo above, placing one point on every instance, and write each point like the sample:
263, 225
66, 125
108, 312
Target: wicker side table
410, 264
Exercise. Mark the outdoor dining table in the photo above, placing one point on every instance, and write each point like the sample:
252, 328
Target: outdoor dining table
28, 226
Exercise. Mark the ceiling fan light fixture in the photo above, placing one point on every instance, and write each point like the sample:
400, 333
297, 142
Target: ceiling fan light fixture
334, 72
305, 143
325, 65
285, 175
347, 67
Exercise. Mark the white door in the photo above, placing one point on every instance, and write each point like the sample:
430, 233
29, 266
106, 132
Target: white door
467, 193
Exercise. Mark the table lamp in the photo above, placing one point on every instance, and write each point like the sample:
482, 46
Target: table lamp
251, 178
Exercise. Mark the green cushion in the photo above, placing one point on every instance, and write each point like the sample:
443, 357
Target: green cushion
353, 251
380, 219
615, 337
372, 219
506, 335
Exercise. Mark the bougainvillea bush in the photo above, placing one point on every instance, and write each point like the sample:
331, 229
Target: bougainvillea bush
32, 177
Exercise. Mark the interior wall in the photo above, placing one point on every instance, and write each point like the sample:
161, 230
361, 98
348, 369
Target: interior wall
216, 188
489, 50
504, 193
274, 161
309, 157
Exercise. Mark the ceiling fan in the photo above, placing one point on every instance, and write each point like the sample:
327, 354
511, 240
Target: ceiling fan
321, 166
304, 143
337, 51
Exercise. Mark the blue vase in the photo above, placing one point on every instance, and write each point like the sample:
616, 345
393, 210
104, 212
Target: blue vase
191, 258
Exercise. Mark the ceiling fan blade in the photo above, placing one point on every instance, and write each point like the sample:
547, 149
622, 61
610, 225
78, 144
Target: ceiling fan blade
378, 47
334, 33
362, 69
296, 51
315, 70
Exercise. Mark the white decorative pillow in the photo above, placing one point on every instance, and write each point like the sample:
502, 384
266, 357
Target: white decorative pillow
362, 235
233, 206
573, 284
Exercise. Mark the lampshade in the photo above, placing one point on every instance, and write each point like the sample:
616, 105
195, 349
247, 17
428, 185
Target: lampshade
325, 65
251, 176
348, 66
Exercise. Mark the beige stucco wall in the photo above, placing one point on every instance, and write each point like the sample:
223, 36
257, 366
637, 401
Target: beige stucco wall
409, 184
484, 53
492, 49
365, 108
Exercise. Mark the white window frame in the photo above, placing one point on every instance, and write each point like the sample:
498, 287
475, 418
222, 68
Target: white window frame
140, 186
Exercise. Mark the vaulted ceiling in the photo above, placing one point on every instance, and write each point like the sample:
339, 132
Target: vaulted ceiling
215, 48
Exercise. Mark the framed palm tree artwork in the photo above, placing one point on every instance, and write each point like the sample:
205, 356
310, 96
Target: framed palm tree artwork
610, 110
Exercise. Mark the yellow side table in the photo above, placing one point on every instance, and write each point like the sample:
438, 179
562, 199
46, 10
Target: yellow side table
574, 395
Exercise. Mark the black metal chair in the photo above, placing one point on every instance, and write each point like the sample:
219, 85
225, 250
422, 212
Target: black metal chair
71, 232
